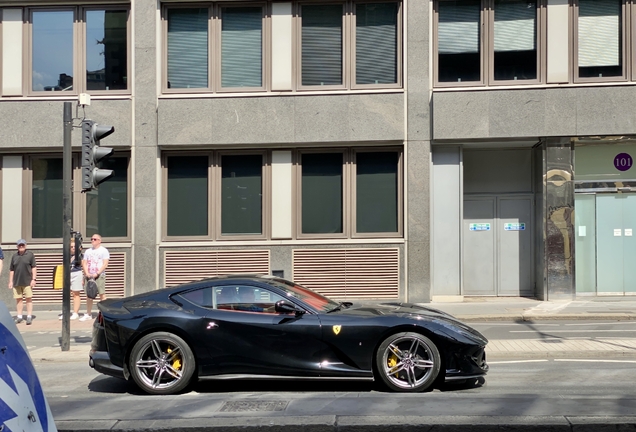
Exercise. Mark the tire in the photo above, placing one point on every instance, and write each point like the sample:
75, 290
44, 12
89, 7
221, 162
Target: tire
161, 363
408, 362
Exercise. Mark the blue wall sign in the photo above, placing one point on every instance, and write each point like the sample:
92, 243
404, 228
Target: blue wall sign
479, 227
514, 226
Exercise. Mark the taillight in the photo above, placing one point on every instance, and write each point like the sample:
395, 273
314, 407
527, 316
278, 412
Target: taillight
100, 318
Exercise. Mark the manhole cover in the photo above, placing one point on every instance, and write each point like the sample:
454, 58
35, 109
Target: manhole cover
249, 405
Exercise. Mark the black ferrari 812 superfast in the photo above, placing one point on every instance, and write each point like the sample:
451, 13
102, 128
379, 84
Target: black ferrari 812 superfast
264, 327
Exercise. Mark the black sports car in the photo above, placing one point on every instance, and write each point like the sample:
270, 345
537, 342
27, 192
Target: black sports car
263, 327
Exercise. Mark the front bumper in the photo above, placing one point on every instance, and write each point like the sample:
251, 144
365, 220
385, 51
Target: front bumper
100, 361
467, 364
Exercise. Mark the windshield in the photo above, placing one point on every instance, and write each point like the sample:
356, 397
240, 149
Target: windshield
315, 300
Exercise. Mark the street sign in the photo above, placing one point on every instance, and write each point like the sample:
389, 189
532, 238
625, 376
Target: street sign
23, 406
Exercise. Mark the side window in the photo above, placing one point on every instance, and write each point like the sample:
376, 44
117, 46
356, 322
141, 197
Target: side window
246, 299
202, 297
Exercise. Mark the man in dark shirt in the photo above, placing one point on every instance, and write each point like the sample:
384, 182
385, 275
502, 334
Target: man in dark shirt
22, 277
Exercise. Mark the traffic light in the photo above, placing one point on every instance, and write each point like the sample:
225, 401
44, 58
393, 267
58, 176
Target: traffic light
92, 153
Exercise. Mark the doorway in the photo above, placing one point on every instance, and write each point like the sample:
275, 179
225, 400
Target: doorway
498, 245
605, 243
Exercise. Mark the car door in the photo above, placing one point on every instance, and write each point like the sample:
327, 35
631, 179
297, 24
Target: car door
246, 336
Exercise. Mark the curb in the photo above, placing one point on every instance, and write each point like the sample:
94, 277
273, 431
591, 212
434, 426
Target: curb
359, 424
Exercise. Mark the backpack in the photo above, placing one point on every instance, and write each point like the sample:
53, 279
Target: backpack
91, 289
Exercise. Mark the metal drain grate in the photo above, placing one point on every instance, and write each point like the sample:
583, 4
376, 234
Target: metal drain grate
253, 406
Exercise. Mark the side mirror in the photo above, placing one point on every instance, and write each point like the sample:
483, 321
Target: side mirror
283, 306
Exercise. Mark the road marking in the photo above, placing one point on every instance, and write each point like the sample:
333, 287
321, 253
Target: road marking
517, 361
574, 331
593, 360
602, 323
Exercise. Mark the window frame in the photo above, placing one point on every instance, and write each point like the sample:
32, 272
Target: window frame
541, 44
298, 40
399, 47
349, 172
164, 49
1, 44
400, 192
265, 200
627, 50
82, 60
78, 50
487, 52
164, 195
265, 42
79, 198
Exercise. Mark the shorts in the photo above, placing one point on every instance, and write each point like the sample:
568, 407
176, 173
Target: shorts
19, 291
101, 284
77, 281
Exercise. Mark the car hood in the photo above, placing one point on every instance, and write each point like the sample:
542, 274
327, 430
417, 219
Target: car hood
414, 311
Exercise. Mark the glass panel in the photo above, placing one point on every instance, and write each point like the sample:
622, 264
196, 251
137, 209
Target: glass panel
322, 193
629, 243
609, 243
322, 44
585, 243
187, 195
188, 48
46, 198
52, 45
605, 162
242, 194
242, 47
515, 40
107, 207
458, 41
377, 192
376, 43
600, 38
106, 50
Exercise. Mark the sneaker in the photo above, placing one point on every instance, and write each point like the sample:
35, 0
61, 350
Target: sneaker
86, 317
60, 316
74, 316
29, 320
18, 320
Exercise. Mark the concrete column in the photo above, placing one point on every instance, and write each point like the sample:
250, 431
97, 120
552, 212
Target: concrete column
417, 148
559, 218
146, 217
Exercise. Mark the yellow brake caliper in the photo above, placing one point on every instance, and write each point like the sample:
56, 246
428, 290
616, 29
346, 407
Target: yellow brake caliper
392, 362
176, 364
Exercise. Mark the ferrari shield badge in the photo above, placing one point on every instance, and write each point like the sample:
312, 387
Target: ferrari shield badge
336, 329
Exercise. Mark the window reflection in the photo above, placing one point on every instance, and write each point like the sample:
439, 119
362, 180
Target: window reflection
52, 45
106, 50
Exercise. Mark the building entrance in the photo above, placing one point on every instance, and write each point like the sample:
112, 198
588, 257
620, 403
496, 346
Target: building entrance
498, 257
606, 243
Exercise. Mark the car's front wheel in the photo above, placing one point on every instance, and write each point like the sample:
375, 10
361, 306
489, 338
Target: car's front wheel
408, 362
161, 363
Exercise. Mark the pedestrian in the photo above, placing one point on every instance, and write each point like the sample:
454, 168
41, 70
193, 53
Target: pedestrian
94, 263
22, 278
77, 282
1, 260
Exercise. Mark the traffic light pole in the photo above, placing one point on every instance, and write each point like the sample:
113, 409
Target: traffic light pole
67, 218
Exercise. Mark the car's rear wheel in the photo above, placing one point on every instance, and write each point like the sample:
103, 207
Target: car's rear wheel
408, 362
161, 363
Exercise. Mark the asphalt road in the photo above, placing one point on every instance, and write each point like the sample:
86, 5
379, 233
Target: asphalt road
512, 388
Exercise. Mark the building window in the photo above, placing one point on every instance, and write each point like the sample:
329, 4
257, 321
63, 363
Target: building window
91, 42
339, 45
105, 210
350, 193
241, 194
188, 189
494, 42
107, 206
600, 40
322, 192
214, 48
46, 198
231, 184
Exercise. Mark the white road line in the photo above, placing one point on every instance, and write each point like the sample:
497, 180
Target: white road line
593, 360
517, 361
574, 331
603, 323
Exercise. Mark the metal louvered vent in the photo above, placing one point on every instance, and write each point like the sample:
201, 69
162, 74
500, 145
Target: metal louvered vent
349, 273
188, 266
44, 292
